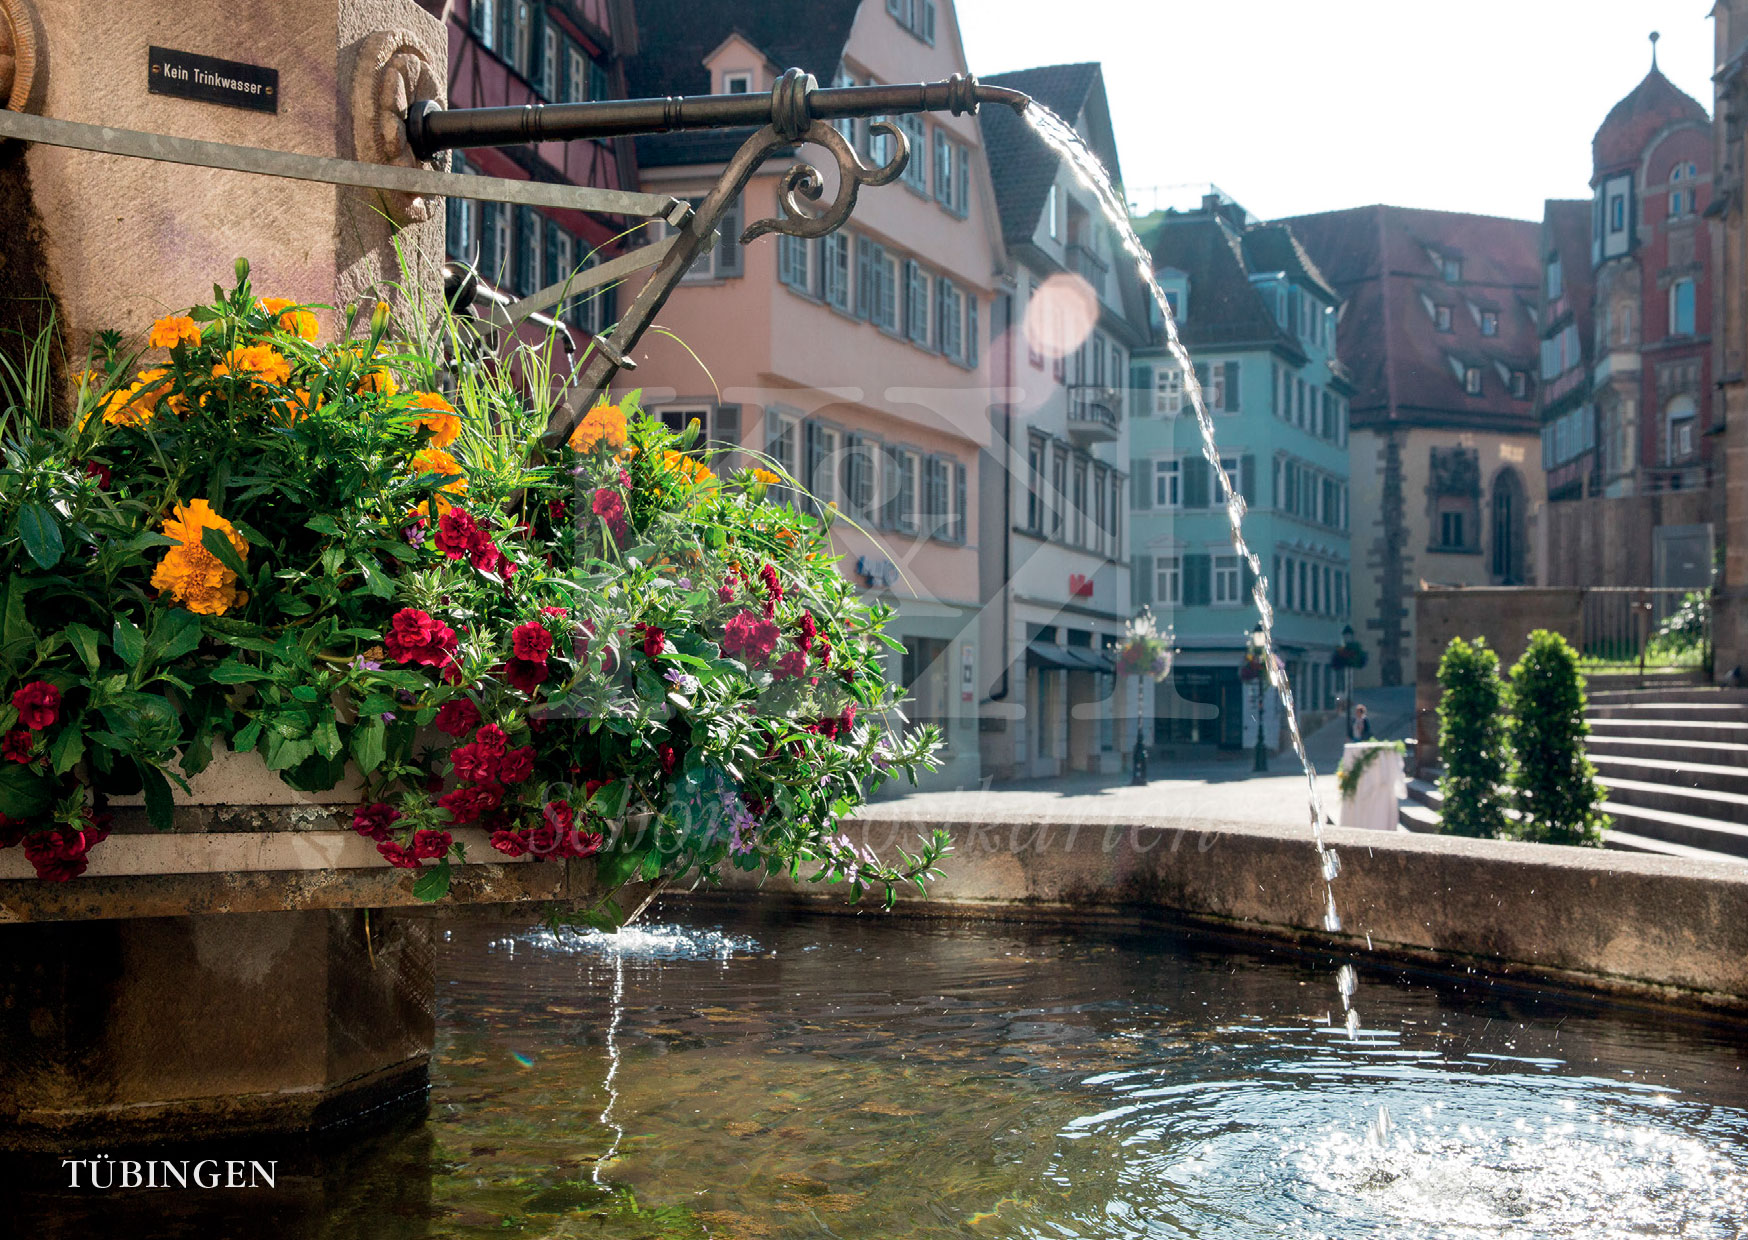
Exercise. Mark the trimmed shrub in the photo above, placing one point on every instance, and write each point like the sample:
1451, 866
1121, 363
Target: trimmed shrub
1554, 785
1471, 740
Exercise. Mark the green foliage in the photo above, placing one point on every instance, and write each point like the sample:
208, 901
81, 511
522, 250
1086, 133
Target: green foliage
1471, 740
1347, 781
323, 466
1554, 785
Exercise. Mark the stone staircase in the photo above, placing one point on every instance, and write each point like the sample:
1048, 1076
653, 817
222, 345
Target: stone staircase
1674, 764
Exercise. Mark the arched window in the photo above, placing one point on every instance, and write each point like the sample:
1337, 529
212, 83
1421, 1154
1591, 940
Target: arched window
1680, 434
1509, 538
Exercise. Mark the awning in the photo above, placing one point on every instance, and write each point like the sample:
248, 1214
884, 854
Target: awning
1068, 658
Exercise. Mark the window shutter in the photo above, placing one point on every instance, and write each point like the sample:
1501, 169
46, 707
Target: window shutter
1141, 384
454, 228
536, 67
961, 532
551, 272
1247, 478
566, 83
476, 21
888, 496
962, 184
811, 453
943, 173
1195, 483
864, 278
928, 22
726, 431
1141, 483
1141, 581
1202, 380
972, 345
941, 288
728, 255
1198, 581
1249, 579
1231, 387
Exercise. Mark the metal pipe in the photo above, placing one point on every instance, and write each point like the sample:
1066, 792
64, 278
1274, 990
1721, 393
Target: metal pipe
797, 101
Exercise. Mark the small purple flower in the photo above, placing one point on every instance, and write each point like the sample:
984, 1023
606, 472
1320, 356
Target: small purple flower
366, 665
680, 680
388, 716
685, 583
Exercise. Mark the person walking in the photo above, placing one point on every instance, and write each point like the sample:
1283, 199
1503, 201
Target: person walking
1362, 727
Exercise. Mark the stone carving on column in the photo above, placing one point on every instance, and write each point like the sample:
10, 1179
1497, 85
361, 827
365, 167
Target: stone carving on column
23, 57
391, 74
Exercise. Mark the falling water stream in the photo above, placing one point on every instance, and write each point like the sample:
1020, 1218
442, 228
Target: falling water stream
1061, 138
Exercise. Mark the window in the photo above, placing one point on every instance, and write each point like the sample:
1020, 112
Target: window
1168, 391
1058, 491
1228, 581
718, 425
1489, 322
483, 16
1168, 483
1453, 270
721, 260
949, 319
522, 36
794, 266
916, 170
1617, 213
1037, 447
1520, 384
916, 16
550, 66
952, 172
1053, 217
1681, 307
1679, 443
1683, 196
1442, 316
821, 466
835, 264
916, 303
1217, 389
1079, 509
1556, 278
1472, 380
908, 493
1217, 492
937, 484
876, 284
737, 83
1450, 530
1168, 586
576, 78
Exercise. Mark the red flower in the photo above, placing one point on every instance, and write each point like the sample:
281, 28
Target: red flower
431, 845
808, 631
414, 637
395, 855
559, 612
823, 652
458, 716
516, 765
611, 509
38, 704
773, 587
57, 855
531, 641
670, 758
725, 591
492, 740
475, 764
16, 745
592, 786
488, 559
654, 640
751, 636
458, 533
558, 814
791, 666
466, 804
556, 511
525, 675
99, 472
373, 821
510, 843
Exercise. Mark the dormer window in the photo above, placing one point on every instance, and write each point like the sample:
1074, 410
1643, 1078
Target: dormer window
1556, 278
1472, 380
1453, 270
737, 83
1489, 323
1441, 315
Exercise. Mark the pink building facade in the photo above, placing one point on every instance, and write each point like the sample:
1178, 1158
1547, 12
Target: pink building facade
859, 361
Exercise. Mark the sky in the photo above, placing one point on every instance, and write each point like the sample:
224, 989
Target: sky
1295, 106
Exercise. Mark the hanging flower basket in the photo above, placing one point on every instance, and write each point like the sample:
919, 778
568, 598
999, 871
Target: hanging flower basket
360, 566
1145, 651
1350, 657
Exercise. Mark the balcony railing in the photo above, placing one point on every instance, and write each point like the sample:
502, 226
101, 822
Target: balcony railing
1094, 412
1089, 266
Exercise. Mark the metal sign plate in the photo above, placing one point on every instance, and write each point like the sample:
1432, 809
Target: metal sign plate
189, 75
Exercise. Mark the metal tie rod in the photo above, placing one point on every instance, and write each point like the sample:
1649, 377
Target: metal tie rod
263, 162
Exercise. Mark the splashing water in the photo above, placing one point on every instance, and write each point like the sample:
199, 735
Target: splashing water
1061, 138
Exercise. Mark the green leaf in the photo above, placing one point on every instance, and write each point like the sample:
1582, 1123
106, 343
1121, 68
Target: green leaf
369, 745
231, 672
177, 634
160, 807
41, 535
285, 752
128, 640
433, 884
85, 640
374, 581
323, 524
23, 794
17, 637
214, 540
68, 747
245, 740
327, 738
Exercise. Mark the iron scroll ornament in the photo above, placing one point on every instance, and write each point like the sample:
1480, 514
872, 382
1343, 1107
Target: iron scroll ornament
803, 183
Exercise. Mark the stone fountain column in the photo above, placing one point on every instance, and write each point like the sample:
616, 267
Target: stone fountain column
145, 1007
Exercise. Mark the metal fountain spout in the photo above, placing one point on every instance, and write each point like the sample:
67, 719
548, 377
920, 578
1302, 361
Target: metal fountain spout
798, 111
790, 109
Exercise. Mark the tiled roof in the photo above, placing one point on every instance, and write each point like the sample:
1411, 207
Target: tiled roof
1654, 105
1021, 166
676, 35
1273, 247
1379, 258
1224, 310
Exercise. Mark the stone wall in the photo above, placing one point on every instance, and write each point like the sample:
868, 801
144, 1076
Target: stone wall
1628, 924
1608, 542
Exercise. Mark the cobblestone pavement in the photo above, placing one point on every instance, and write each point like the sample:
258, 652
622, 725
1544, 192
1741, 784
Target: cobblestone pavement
1224, 791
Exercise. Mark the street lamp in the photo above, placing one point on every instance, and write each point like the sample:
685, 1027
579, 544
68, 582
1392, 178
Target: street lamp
1259, 654
1347, 644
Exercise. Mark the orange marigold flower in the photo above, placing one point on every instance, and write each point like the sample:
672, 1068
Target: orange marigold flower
292, 318
692, 471
436, 461
766, 476
257, 361
439, 416
173, 330
191, 574
604, 426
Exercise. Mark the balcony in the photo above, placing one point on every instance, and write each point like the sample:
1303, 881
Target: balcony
1089, 267
1094, 414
